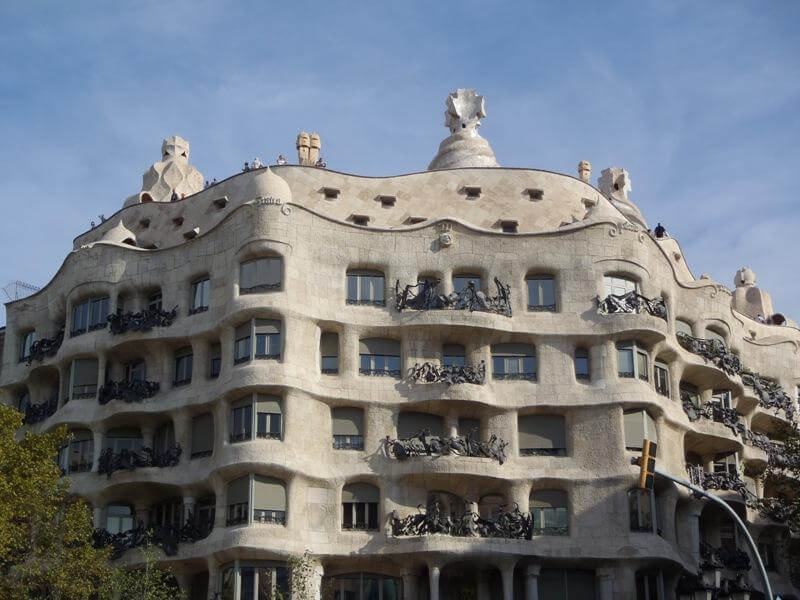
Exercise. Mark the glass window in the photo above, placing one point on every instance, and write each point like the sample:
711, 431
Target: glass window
202, 435
164, 439
238, 501
639, 425
183, 366
649, 586
123, 438
615, 285
254, 580
550, 513
269, 500
89, 315
26, 342
154, 301
728, 536
682, 326
119, 518
582, 364
661, 375
514, 361
329, 353
541, 293
542, 435
84, 378
363, 586
260, 275
461, 282
242, 422
214, 360
632, 361
567, 584
242, 345
266, 419
380, 357
453, 355
348, 428
201, 292
360, 506
365, 287
713, 334
413, 424
167, 514
642, 370
726, 464
641, 510
77, 455
268, 339
135, 370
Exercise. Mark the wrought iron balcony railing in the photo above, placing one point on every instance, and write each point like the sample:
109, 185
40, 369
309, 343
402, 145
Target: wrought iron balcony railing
425, 295
425, 444
631, 303
519, 376
712, 411
348, 442
712, 350
36, 413
141, 321
128, 460
381, 372
270, 517
45, 347
450, 374
770, 394
165, 537
128, 391
718, 558
513, 524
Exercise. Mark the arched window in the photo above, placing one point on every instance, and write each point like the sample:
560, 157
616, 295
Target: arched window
619, 285
463, 280
410, 424
550, 512
360, 506
490, 506
582, 371
542, 435
260, 275
514, 361
76, 456
639, 425
661, 377
365, 287
119, 518
541, 293
348, 428
89, 314
379, 357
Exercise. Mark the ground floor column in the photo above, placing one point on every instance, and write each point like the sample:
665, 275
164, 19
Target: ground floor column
409, 585
433, 581
507, 575
532, 582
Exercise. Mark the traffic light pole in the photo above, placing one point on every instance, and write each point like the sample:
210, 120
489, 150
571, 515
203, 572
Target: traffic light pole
724, 505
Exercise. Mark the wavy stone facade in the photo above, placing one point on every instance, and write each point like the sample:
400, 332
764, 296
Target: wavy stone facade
568, 391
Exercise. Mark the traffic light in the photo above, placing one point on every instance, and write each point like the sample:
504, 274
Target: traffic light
647, 465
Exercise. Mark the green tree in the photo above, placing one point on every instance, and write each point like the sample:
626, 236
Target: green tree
148, 582
46, 549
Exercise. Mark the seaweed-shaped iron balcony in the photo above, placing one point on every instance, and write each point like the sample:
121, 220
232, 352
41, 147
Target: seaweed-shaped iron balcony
425, 444
712, 350
163, 536
120, 322
36, 413
128, 391
631, 303
770, 394
45, 347
450, 374
128, 460
426, 295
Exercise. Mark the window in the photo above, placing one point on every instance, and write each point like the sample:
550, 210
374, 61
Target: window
661, 376
535, 194
268, 340
167, 514
266, 419
767, 552
467, 427
84, 378
550, 513
615, 285
490, 505
362, 220
364, 586
649, 586
632, 359
183, 366
514, 361
360, 506
202, 435
26, 342
726, 463
365, 287
722, 398
269, 500
348, 428
89, 315
329, 353
582, 371
387, 201
541, 293
24, 402
639, 425
77, 455
201, 292
461, 282
542, 435
260, 275
154, 301
472, 192
728, 537
254, 580
567, 584
135, 370
214, 360
123, 438
238, 501
413, 424
379, 357
119, 518
453, 355
163, 439
641, 508
682, 326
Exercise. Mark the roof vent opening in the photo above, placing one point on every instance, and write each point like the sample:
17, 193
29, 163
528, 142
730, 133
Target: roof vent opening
150, 247
535, 194
221, 203
177, 221
144, 223
387, 201
472, 192
415, 220
331, 193
130, 241
509, 226
145, 197
192, 233
362, 220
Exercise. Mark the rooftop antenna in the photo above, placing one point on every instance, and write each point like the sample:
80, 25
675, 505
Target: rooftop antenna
17, 290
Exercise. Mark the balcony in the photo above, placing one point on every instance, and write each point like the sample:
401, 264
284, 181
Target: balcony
45, 347
630, 304
775, 452
426, 295
712, 350
425, 444
771, 395
718, 558
449, 374
165, 537
36, 413
128, 460
513, 524
141, 321
128, 391
712, 411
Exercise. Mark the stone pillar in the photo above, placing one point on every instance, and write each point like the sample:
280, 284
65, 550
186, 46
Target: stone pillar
348, 347
520, 495
507, 575
142, 514
200, 358
532, 582
409, 585
184, 582
481, 585
605, 583
220, 499
63, 376
97, 448
226, 350
688, 523
188, 507
97, 516
182, 425
147, 436
102, 361
433, 581
608, 362
213, 573
451, 424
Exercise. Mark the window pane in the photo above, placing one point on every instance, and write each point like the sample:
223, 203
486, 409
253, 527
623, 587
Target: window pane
498, 365
330, 364
352, 287
625, 358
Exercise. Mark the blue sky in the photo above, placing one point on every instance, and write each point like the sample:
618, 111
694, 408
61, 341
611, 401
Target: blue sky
698, 100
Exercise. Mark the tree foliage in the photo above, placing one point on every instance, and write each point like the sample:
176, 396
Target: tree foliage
148, 582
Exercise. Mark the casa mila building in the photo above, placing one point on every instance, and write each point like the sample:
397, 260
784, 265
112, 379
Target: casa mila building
430, 384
